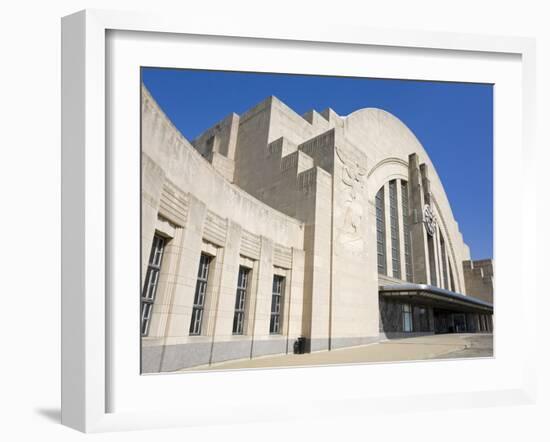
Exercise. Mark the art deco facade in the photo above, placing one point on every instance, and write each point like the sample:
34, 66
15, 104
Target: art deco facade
272, 226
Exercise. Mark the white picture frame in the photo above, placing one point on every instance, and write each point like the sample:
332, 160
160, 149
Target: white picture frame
87, 316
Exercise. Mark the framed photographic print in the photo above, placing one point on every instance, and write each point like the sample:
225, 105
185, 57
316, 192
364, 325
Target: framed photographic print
270, 219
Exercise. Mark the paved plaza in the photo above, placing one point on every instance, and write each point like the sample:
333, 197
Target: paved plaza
446, 346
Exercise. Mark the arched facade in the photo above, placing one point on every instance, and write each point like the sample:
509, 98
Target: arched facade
266, 228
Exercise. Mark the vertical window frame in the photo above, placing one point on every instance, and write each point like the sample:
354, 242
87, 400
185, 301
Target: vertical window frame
394, 231
381, 232
239, 314
199, 300
451, 276
407, 246
277, 302
150, 286
444, 261
431, 260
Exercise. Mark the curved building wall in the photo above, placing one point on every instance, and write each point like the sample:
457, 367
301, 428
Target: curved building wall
196, 211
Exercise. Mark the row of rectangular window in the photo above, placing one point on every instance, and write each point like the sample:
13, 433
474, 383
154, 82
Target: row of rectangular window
199, 300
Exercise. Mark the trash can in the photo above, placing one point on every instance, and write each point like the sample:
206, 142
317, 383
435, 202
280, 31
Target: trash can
300, 346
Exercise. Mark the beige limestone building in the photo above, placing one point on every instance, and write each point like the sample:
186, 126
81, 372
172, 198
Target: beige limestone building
273, 226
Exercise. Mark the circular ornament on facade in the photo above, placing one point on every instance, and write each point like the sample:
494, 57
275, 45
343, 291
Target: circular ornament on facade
429, 219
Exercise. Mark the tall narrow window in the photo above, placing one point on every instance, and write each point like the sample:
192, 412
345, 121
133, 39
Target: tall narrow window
200, 295
444, 261
394, 228
406, 231
407, 318
431, 257
276, 304
381, 232
452, 277
151, 283
240, 301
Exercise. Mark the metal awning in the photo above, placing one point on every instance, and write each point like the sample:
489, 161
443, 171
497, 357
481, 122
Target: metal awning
435, 296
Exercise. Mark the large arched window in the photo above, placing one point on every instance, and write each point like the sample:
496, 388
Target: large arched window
394, 242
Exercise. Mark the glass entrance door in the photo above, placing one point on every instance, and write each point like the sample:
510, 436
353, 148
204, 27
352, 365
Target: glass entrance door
459, 322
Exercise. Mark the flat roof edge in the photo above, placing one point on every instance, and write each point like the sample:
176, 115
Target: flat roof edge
409, 287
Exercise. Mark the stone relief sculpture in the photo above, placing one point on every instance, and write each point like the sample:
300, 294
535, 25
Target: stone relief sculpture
353, 179
430, 220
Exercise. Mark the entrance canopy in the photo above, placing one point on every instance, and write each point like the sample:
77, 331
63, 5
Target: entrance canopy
436, 297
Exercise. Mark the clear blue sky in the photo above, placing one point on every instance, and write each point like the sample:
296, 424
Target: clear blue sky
453, 121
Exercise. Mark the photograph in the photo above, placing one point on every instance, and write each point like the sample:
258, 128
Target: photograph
246, 222
301, 220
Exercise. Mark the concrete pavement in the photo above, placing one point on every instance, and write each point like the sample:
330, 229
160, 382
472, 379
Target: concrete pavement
479, 346
420, 348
